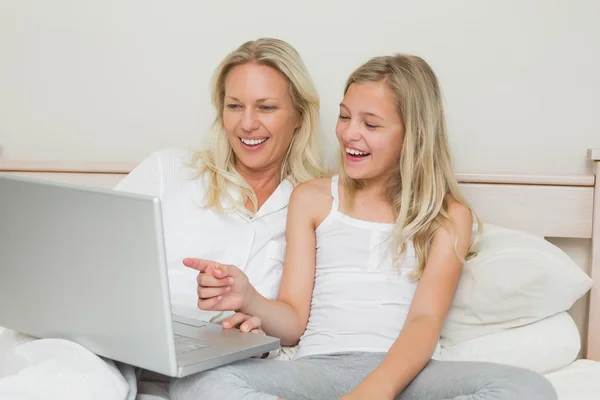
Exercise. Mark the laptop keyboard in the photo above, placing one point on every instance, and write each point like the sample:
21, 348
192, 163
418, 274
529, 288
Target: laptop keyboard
185, 344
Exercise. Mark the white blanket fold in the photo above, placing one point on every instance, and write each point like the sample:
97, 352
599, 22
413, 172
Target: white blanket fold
56, 369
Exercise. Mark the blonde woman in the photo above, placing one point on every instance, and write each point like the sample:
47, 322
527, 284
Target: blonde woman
229, 202
373, 260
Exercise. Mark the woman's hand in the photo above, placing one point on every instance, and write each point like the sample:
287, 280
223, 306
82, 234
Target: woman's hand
246, 323
220, 287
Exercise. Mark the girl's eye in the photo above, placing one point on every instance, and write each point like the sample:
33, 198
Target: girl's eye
344, 117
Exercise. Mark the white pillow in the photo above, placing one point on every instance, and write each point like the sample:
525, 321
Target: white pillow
515, 279
541, 346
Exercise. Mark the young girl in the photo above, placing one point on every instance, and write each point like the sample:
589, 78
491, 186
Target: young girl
373, 259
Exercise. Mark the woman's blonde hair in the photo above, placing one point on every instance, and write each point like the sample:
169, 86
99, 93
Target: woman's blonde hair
302, 161
424, 178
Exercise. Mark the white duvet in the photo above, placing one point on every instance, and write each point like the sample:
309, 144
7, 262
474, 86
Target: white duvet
579, 380
53, 369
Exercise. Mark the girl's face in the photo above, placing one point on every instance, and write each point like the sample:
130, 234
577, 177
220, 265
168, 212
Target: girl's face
370, 131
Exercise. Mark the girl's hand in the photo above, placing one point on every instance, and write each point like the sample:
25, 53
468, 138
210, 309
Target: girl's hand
220, 287
246, 323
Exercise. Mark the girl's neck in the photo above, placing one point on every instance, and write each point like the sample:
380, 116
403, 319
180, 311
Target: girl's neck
370, 203
376, 188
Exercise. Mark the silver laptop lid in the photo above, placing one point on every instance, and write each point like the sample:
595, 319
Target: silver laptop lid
87, 265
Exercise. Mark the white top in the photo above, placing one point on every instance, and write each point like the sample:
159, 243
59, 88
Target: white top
360, 299
256, 245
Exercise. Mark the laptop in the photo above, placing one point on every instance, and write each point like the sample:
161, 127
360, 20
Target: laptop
88, 265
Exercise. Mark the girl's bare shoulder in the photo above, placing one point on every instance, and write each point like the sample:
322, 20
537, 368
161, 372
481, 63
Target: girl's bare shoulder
313, 197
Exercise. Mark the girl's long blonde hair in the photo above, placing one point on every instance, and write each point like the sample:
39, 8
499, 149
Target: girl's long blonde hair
302, 161
424, 178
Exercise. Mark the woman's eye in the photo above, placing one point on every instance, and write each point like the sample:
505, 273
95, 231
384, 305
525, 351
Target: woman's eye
268, 108
233, 106
344, 117
370, 126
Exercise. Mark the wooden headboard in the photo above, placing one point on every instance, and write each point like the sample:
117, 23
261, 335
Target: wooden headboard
103, 175
553, 206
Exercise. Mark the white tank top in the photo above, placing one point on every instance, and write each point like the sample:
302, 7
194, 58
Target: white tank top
360, 299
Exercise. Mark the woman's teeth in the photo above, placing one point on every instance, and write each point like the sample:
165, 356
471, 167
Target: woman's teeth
253, 142
356, 152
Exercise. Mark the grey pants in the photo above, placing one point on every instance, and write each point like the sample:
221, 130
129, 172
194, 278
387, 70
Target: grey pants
328, 377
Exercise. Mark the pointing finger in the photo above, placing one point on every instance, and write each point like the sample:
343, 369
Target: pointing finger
198, 264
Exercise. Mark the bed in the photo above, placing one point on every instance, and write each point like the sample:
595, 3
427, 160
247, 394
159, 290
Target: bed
556, 207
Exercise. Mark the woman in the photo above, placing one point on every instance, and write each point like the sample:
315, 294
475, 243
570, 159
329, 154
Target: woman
373, 260
229, 202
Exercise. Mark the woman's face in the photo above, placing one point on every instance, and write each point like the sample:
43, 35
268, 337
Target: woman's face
259, 116
370, 131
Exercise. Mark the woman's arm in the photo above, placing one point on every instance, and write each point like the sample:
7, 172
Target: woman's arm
146, 178
416, 343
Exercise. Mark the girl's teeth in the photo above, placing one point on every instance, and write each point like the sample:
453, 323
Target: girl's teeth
355, 152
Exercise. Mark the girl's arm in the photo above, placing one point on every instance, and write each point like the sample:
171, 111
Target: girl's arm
286, 317
417, 341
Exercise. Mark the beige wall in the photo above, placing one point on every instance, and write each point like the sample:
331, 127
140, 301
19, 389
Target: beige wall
114, 80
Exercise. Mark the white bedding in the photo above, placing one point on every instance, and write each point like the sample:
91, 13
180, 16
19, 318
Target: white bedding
56, 369
63, 370
579, 380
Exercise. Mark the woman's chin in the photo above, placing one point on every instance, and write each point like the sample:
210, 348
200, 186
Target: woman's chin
255, 162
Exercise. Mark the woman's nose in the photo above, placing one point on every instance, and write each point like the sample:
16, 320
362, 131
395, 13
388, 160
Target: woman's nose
249, 120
